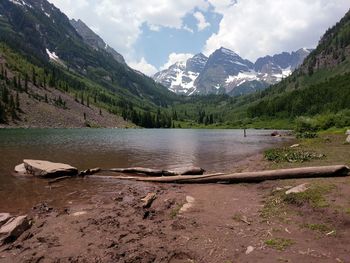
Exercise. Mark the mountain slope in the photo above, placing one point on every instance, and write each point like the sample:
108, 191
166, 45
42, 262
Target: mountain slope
43, 36
180, 77
95, 41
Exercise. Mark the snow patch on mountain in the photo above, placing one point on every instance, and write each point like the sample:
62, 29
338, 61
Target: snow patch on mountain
53, 56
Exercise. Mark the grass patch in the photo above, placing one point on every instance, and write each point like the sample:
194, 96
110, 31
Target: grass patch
291, 155
314, 196
322, 228
276, 205
347, 211
175, 211
279, 243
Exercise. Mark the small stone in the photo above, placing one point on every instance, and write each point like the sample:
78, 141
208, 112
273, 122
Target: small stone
4, 217
190, 201
80, 213
148, 200
298, 189
249, 250
294, 145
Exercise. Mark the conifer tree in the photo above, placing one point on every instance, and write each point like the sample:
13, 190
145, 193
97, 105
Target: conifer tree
17, 101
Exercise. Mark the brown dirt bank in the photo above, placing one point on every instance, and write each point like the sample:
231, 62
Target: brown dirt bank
218, 226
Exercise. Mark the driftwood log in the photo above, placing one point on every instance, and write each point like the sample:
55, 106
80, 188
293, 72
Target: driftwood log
250, 177
155, 172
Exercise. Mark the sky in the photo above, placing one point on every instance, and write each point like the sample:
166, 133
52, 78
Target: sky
153, 34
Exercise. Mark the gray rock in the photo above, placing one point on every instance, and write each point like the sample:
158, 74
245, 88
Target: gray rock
348, 139
298, 189
13, 228
347, 132
49, 169
20, 169
4, 217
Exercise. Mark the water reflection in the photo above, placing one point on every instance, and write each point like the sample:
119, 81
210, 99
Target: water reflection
214, 150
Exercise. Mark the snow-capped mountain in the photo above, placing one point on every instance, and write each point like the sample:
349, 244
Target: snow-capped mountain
180, 77
226, 72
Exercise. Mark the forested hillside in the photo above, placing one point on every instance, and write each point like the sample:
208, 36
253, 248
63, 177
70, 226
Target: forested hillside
321, 86
41, 47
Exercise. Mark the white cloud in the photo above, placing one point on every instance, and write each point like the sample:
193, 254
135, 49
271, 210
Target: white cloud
176, 57
187, 28
66, 6
143, 66
201, 22
255, 28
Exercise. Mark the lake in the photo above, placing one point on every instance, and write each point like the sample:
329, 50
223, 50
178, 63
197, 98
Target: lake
213, 150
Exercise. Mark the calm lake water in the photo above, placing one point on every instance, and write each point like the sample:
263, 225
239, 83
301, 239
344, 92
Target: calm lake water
213, 150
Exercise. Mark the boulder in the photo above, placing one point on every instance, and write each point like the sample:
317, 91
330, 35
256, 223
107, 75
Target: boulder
49, 169
348, 139
298, 189
13, 228
4, 217
347, 132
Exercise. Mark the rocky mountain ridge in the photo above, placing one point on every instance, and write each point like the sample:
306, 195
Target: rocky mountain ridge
225, 72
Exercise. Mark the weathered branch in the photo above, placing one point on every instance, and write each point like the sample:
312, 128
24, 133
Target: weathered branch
156, 172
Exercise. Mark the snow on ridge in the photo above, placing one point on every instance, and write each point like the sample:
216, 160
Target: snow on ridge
20, 2
248, 75
52, 55
228, 52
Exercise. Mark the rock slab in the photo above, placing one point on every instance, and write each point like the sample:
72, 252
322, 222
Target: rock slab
49, 169
13, 228
348, 139
4, 217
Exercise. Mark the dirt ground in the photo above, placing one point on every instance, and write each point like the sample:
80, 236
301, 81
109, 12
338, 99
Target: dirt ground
222, 223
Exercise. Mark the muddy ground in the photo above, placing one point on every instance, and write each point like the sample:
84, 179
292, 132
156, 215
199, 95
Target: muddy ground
222, 223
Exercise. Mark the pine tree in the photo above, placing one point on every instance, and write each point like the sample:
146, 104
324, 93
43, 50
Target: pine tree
33, 76
88, 101
19, 84
82, 98
2, 113
12, 108
46, 99
100, 112
84, 116
17, 101
26, 82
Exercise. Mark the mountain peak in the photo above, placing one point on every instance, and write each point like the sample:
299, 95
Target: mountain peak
227, 51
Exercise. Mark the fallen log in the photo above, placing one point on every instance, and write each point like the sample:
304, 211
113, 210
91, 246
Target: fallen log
155, 172
250, 177
137, 170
